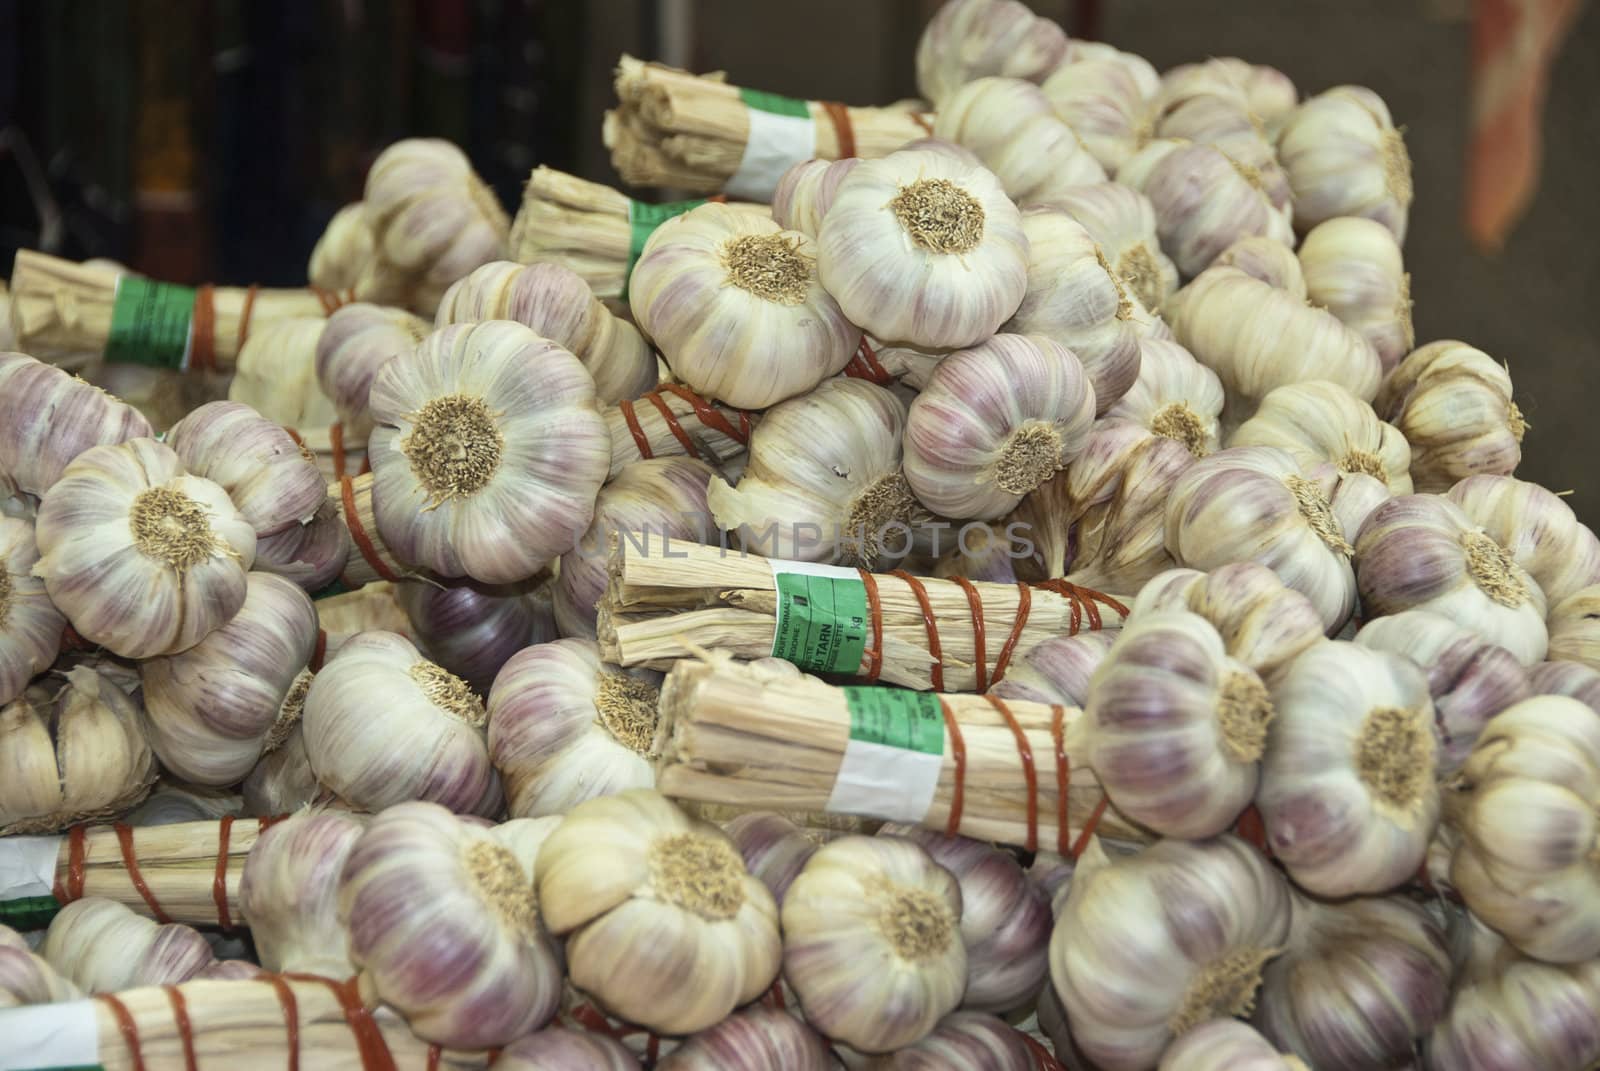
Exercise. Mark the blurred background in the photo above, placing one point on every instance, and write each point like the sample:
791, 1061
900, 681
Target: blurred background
211, 140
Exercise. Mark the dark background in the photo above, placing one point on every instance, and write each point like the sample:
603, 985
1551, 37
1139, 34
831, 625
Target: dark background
212, 139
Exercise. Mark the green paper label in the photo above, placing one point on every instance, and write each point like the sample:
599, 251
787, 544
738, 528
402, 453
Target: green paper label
822, 621
643, 219
28, 912
150, 323
896, 717
777, 105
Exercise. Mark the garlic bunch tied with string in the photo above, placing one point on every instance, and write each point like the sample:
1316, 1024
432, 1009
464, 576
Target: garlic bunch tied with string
444, 924
872, 942
824, 480
1013, 128
1105, 102
1526, 863
143, 558
488, 452
1347, 783
1318, 421
26, 978
1263, 622
755, 1039
213, 709
734, 303
289, 893
1058, 670
1175, 396
663, 924
425, 741
269, 477
473, 629
1353, 267
806, 192
1122, 222
1537, 528
1345, 158
356, 342
558, 305
1133, 973
1226, 1045
560, 1048
30, 625
103, 947
922, 248
963, 1041
565, 727
1175, 727
50, 417
1422, 552
774, 849
971, 39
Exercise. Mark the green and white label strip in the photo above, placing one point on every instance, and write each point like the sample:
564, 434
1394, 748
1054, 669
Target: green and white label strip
782, 134
27, 876
643, 219
822, 617
891, 764
50, 1037
151, 323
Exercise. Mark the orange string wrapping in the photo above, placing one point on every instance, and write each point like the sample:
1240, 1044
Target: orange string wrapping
127, 1027
935, 648
922, 120
1252, 827
709, 415
219, 881
369, 552
374, 1050
873, 656
336, 444
333, 300
1030, 775
1040, 1054
958, 751
244, 315
1024, 606
1058, 736
131, 862
434, 1052
975, 604
180, 1015
840, 116
203, 330
640, 439
76, 849
291, 1018
1091, 825
319, 652
685, 440
864, 365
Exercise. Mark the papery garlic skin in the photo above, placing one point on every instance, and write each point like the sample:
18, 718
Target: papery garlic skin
1421, 552
993, 423
1057, 670
1013, 128
1353, 268
357, 341
1175, 396
1345, 158
1133, 973
1103, 101
1263, 622
267, 475
560, 1048
754, 1039
141, 557
1574, 625
963, 1041
1453, 404
1226, 1045
922, 248
36, 448
471, 629
872, 944
427, 745
444, 924
1318, 421
488, 452
103, 947
1123, 222
289, 893
1348, 789
971, 39
774, 849
663, 924
1537, 528
30, 625
1270, 261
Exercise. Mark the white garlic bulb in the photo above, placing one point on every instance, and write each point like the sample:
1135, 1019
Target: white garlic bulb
357, 340
26, 978
426, 744
1537, 528
1453, 404
963, 1041
806, 192
1353, 268
289, 893
560, 1048
1270, 261
1263, 622
1226, 1045
488, 452
103, 947
30, 625
663, 924
142, 558
971, 39
270, 478
344, 259
755, 1039
921, 248
994, 422
1224, 121
276, 374
1347, 785
1574, 625
1175, 396
1345, 158
50, 417
1057, 670
1104, 102
1013, 128
1318, 421
1122, 222
1266, 91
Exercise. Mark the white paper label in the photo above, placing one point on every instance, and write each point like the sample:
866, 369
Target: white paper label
27, 866
776, 143
47, 1036
877, 781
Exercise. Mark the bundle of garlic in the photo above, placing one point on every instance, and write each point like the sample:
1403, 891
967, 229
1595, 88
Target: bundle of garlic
971, 39
1270, 261
1122, 221
1353, 268
26, 978
356, 342
1174, 396
343, 259
1319, 422
1226, 1045
754, 1039
1574, 626
1344, 157
674, 421
30, 625
36, 450
102, 947
1265, 91
1012, 127
266, 473
473, 629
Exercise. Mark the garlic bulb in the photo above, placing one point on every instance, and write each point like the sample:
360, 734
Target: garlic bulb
283, 780
1175, 396
103, 947
824, 479
1353, 268
872, 942
1104, 102
1148, 947
1174, 727
1318, 421
981, 552
648, 504
1360, 983
663, 924
487, 453
559, 1048
311, 555
734, 303
1537, 528
1345, 158
213, 709
1122, 222
1526, 862
141, 557
427, 744
26, 978
558, 305
289, 893
1421, 552
1226, 1045
806, 192
1263, 622
444, 924
1270, 261
1058, 670
1453, 404
344, 259
755, 1039
357, 340
1571, 679
1574, 625
473, 629
963, 1041
1265, 91
1347, 784
30, 625
1255, 503
1470, 679
1204, 201
971, 39
269, 477
276, 374
1013, 128
50, 417
774, 849
565, 727
1225, 122
72, 752
922, 248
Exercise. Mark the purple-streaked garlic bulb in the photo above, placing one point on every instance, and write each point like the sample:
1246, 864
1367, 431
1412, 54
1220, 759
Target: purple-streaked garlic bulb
1224, 121
343, 259
1526, 861
963, 1041
1320, 422
648, 504
1005, 919
26, 978
734, 303
50, 417
213, 709
283, 780
1013, 128
1119, 543
982, 552
1422, 552
806, 192
774, 849
924, 249
993, 423
1353, 268
1175, 727
444, 924
1046, 521
1574, 626
1122, 222
1263, 622
756, 1039
872, 942
173, 802
1358, 985
1057, 670
664, 926
1150, 946
554, 301
1074, 298
313, 555
1345, 158
1470, 679
1256, 504
1453, 404
1575, 680
1175, 397
473, 629
270, 478
560, 1048
30, 624
1536, 527
358, 340
1348, 792
1226, 1045
289, 892
971, 39
141, 557
488, 452
1267, 91
565, 727
103, 947
1269, 261
383, 725
1104, 102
